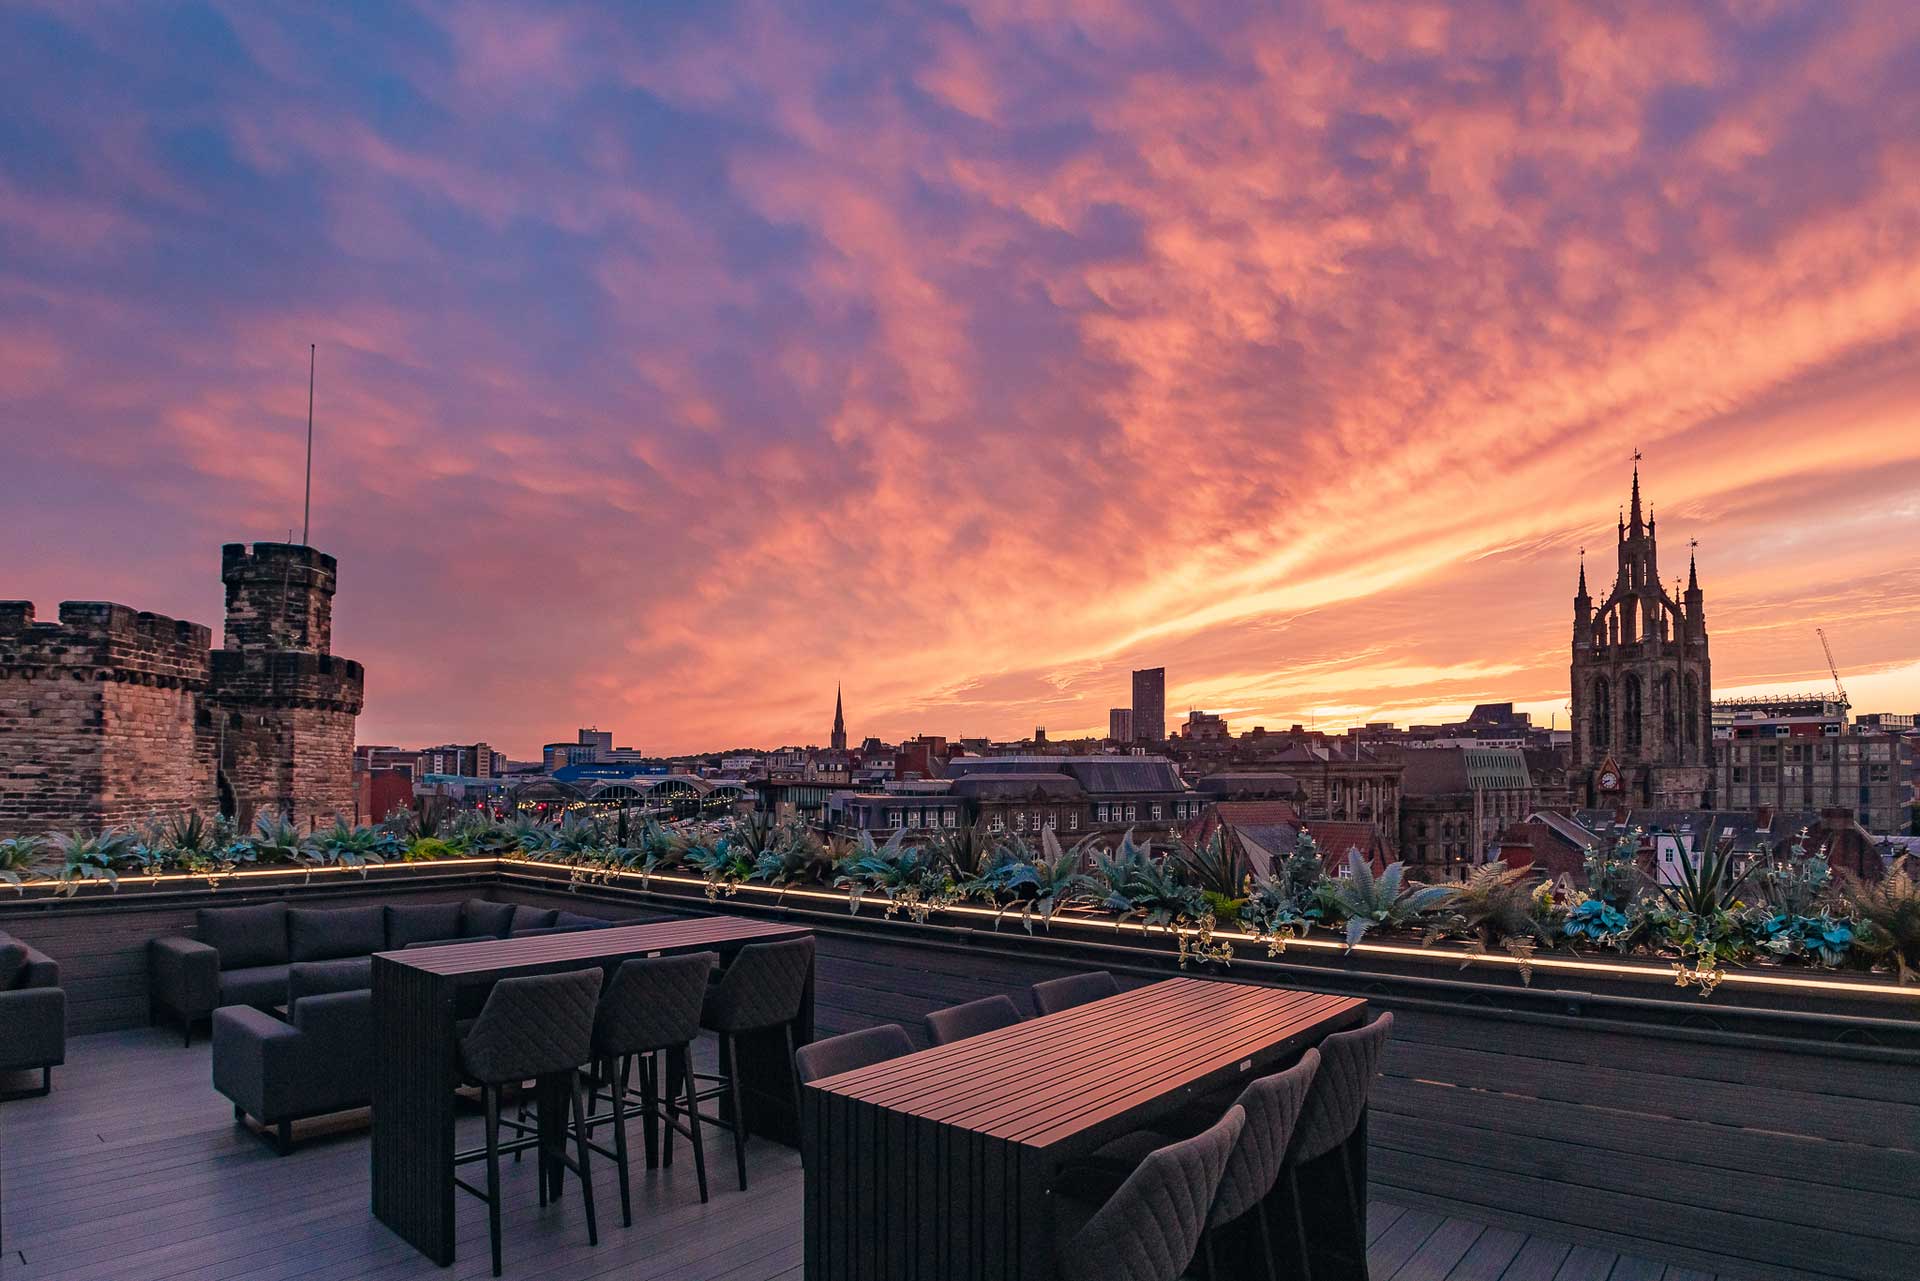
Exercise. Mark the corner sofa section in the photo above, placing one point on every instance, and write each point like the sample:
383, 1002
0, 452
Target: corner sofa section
33, 1014
244, 955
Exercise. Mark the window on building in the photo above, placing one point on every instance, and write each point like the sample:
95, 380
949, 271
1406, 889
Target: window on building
1020, 821
1053, 821
893, 818
949, 818
1073, 822
1153, 811
1130, 813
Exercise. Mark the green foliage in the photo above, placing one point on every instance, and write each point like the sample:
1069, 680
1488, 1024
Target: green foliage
344, 845
1287, 900
85, 857
1707, 885
1615, 877
1368, 902
19, 855
1132, 882
908, 877
1889, 916
1037, 883
962, 851
275, 838
427, 849
1216, 866
1497, 906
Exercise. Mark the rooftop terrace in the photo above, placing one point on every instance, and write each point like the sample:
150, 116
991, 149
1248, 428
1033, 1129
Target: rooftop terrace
1557, 1133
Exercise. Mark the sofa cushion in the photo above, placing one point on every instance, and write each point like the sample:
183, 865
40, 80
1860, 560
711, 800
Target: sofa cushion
482, 919
327, 934
532, 918
308, 978
410, 923
13, 963
262, 986
245, 936
575, 921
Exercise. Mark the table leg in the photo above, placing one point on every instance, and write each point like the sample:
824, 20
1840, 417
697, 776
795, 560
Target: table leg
412, 1104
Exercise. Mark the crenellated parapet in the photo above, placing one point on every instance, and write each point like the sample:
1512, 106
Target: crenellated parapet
287, 679
102, 641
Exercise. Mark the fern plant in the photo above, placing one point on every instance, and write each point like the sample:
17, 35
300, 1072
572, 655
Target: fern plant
1615, 877
1496, 906
1889, 916
1368, 901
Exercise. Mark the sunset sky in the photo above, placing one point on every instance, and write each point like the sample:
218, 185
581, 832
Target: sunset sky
677, 365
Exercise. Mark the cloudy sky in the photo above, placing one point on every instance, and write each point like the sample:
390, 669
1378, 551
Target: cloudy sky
677, 363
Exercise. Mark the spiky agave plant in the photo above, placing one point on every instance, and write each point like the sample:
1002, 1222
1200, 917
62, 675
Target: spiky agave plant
345, 845
962, 851
1038, 883
19, 855
1134, 883
909, 877
85, 857
1368, 901
1218, 867
1889, 915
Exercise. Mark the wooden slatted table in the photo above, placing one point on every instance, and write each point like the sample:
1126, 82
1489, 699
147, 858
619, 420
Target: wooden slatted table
415, 996
940, 1166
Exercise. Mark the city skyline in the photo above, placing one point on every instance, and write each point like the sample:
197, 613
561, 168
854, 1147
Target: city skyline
664, 391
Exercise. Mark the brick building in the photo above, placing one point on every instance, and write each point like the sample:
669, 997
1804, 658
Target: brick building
112, 716
1455, 803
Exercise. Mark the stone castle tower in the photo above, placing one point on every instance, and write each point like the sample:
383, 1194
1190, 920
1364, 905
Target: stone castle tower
283, 706
112, 716
1642, 687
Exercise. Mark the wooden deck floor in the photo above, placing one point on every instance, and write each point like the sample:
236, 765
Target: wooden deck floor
134, 1170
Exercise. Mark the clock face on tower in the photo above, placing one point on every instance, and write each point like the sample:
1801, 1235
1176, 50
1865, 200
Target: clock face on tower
1609, 781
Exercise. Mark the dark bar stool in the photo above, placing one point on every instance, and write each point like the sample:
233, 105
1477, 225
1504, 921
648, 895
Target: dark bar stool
1150, 1228
651, 1007
851, 1052
958, 1022
1056, 995
1335, 1107
761, 990
536, 1027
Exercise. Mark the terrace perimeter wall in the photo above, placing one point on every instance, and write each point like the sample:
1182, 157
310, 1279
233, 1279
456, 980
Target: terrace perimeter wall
101, 721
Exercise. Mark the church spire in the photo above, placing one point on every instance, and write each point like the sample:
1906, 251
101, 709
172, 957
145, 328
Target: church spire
839, 721
1693, 573
1636, 491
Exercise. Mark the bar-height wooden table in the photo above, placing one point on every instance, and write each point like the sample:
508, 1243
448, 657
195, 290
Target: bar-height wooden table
941, 1166
415, 995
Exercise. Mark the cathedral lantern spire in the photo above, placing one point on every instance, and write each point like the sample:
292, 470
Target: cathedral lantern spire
1636, 491
839, 740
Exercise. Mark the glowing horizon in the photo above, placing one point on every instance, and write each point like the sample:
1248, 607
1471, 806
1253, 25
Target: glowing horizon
673, 371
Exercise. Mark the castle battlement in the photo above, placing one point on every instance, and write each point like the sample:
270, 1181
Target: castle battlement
114, 715
288, 678
279, 596
104, 641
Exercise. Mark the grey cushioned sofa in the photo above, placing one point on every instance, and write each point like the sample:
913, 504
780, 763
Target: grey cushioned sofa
242, 955
33, 1013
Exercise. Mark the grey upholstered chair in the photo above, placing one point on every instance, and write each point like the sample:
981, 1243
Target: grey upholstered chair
1336, 1102
1150, 1228
650, 1007
851, 1051
533, 1027
957, 1022
1056, 995
33, 1010
761, 989
1272, 1105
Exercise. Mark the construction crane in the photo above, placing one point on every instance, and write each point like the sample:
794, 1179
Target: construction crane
1838, 688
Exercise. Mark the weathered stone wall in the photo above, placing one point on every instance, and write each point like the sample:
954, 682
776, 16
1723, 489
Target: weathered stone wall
100, 719
285, 725
279, 596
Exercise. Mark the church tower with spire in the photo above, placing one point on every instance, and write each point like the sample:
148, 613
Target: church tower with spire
839, 742
1642, 688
